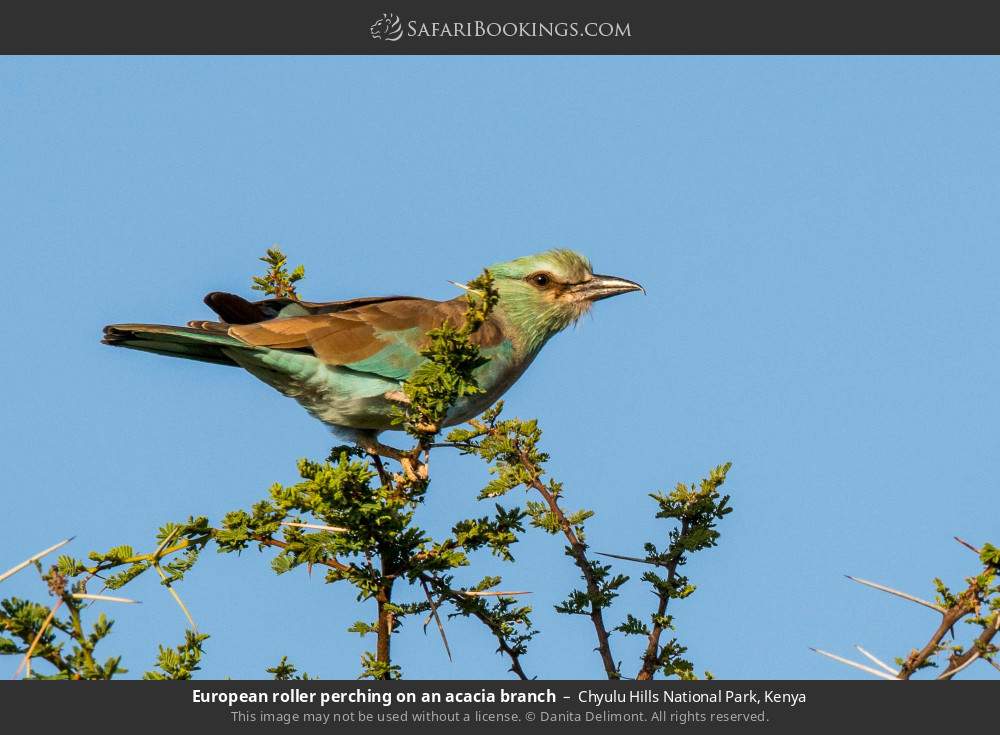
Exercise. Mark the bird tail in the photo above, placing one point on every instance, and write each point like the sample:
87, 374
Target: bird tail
205, 342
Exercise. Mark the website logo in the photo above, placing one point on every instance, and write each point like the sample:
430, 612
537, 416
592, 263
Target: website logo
387, 28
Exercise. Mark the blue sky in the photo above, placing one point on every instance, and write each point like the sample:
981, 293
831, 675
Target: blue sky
819, 242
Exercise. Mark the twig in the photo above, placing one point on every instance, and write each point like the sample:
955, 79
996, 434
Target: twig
891, 591
502, 645
578, 550
981, 644
15, 569
331, 562
383, 476
652, 655
38, 636
855, 664
136, 558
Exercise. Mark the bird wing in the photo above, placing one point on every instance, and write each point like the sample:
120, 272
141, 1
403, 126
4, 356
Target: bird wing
234, 309
382, 337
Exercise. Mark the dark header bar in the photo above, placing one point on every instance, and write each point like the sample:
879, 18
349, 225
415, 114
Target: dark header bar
511, 27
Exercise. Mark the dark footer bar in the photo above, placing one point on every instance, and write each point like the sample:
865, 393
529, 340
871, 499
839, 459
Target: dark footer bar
713, 706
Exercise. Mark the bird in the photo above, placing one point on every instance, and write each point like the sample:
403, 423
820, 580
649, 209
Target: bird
343, 361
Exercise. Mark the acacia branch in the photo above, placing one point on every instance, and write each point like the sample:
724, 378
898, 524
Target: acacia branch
952, 609
967, 603
384, 623
503, 646
331, 562
578, 551
652, 659
981, 645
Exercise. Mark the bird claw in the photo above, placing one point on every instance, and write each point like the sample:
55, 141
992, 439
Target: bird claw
414, 469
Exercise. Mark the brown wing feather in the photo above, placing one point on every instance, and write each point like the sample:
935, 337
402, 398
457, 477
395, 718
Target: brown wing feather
353, 334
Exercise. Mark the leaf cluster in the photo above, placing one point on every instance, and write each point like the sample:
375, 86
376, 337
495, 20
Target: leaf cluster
446, 375
695, 510
179, 662
278, 281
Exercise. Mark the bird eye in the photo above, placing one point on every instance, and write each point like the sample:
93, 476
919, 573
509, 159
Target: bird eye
540, 279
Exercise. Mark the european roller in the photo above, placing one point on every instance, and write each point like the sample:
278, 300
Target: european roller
344, 360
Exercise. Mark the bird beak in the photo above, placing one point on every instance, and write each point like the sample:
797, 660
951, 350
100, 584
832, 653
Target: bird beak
603, 287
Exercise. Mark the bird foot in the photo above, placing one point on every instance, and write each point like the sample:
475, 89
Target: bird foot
415, 470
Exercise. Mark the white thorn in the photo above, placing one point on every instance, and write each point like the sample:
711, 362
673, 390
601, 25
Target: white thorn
14, 570
318, 527
855, 664
177, 597
473, 593
891, 591
466, 288
437, 619
949, 674
166, 540
105, 598
876, 661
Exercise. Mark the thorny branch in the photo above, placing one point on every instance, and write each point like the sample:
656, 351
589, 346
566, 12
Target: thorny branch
981, 592
357, 519
653, 657
579, 553
502, 635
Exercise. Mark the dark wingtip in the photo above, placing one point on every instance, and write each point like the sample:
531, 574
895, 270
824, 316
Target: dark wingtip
234, 309
211, 297
112, 335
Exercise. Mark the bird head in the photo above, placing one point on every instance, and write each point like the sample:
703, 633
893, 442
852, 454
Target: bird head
543, 294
